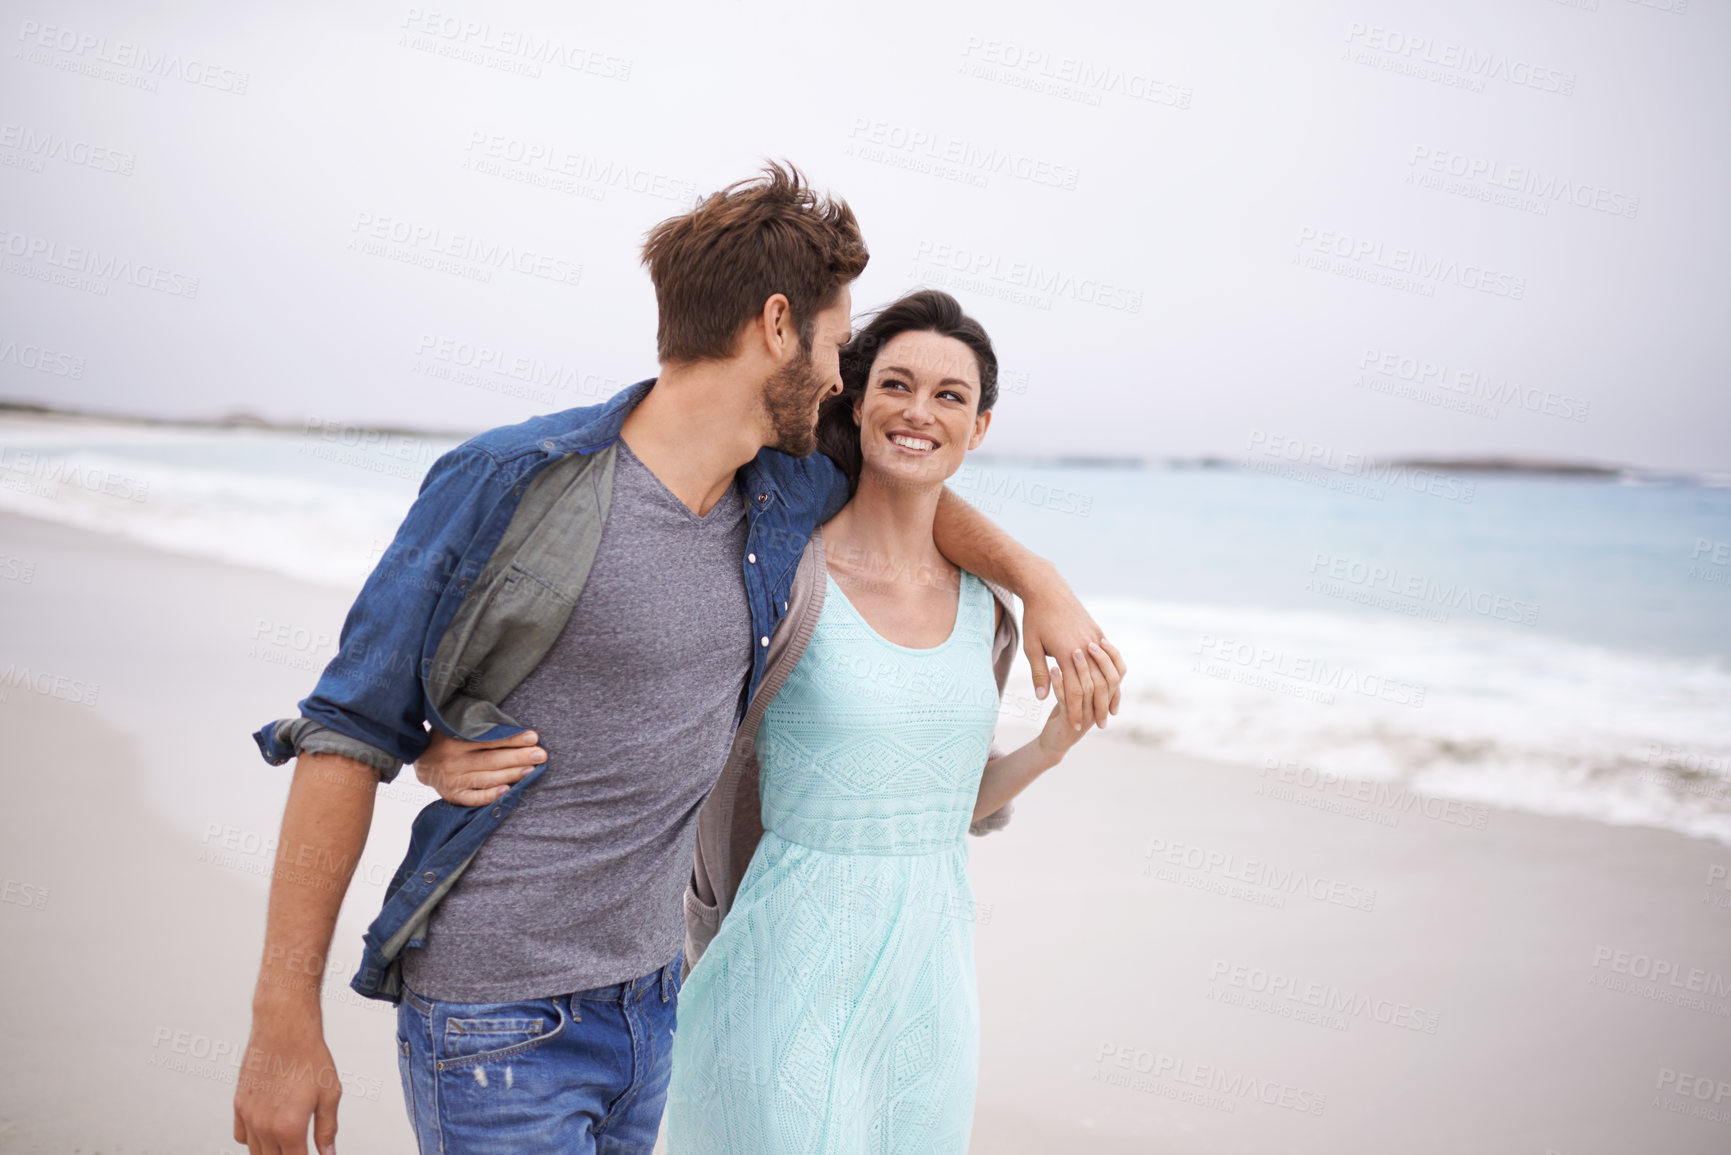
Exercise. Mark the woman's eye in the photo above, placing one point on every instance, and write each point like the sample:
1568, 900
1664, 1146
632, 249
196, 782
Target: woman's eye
953, 396
891, 383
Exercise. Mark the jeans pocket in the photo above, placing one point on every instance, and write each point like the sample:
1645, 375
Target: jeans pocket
411, 1024
482, 1033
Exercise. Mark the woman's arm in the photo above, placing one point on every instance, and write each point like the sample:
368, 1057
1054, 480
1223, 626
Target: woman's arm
1009, 775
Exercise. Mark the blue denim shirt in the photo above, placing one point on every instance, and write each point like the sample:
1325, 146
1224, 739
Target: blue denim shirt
417, 652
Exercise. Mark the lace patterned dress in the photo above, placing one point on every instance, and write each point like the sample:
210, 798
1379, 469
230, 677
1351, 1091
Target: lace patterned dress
836, 1012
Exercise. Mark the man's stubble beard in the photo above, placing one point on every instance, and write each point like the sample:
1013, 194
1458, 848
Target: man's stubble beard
790, 399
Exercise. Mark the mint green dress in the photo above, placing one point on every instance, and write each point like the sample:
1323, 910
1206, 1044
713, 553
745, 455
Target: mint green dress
836, 1012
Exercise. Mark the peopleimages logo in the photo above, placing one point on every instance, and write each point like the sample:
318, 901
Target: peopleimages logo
1376, 578
508, 372
1362, 467
1711, 561
1425, 373
225, 1061
1391, 797
41, 146
1268, 663
44, 474
918, 148
1494, 175
1044, 283
1429, 58
499, 154
1660, 980
1068, 77
996, 487
40, 359
1119, 1064
46, 253
466, 254
87, 51
1661, 970
511, 49
1372, 258
48, 684
1328, 998
1284, 880
1683, 1093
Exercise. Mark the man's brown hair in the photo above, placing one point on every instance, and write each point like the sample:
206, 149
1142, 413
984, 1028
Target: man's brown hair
714, 267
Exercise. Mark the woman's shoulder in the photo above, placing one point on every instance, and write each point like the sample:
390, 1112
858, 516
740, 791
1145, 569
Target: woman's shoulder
976, 590
984, 587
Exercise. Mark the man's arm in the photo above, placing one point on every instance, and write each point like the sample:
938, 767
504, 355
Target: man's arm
1053, 621
287, 1077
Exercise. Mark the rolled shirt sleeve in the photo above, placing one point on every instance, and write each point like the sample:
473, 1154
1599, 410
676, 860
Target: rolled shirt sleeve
369, 704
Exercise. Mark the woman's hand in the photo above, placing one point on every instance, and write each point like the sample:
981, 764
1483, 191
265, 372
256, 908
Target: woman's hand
1008, 775
1061, 733
475, 773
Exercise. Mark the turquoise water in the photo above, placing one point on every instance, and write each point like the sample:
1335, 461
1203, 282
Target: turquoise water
1610, 563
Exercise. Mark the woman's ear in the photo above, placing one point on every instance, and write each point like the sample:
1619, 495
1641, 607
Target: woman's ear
981, 424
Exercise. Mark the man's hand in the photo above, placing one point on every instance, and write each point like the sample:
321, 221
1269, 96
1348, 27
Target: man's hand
286, 1078
1055, 625
1053, 621
475, 773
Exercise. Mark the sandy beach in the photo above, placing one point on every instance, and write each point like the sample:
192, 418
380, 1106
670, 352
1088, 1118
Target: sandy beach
1173, 955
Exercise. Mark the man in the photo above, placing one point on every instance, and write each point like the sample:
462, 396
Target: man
610, 576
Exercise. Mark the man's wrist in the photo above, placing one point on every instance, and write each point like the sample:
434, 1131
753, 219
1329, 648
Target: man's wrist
284, 1000
1032, 576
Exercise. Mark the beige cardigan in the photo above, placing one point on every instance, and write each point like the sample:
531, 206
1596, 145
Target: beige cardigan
731, 821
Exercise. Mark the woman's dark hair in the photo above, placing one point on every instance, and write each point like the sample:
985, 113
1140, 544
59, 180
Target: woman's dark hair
922, 311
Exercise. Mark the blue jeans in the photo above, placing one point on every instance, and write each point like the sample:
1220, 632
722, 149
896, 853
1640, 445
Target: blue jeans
581, 1073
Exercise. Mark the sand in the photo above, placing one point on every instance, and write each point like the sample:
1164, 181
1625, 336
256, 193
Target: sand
1173, 955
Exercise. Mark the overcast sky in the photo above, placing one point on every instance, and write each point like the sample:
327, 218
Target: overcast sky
1387, 228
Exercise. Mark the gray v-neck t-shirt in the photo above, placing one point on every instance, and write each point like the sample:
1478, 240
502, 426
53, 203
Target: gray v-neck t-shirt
583, 885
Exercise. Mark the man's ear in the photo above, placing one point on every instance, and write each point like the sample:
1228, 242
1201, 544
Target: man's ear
858, 405
981, 424
776, 328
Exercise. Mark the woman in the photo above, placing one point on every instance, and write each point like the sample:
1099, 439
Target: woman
835, 1009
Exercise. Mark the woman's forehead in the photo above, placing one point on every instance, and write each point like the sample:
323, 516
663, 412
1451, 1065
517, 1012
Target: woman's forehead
928, 355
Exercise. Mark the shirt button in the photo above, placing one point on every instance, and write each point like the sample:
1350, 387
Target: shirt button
784, 607
498, 811
547, 445
763, 641
752, 558
429, 878
762, 497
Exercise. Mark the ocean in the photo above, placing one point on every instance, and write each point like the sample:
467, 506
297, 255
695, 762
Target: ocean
1553, 644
